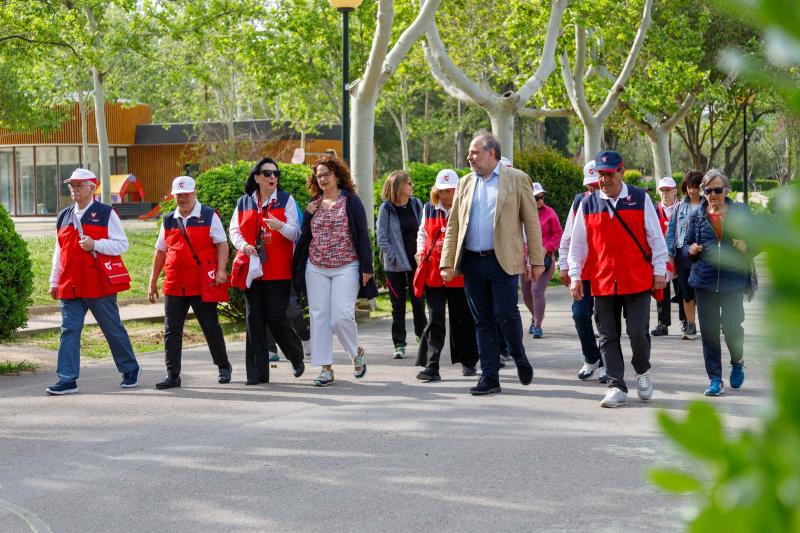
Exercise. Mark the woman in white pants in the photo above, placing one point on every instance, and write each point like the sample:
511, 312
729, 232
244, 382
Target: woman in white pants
333, 265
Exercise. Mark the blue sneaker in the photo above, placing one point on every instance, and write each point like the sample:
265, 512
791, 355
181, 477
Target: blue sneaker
537, 332
274, 357
61, 388
531, 329
715, 388
737, 374
131, 379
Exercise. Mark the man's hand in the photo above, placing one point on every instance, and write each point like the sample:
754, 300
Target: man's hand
695, 249
418, 256
152, 293
250, 250
564, 277
534, 272
659, 282
86, 243
220, 276
54, 293
576, 288
448, 274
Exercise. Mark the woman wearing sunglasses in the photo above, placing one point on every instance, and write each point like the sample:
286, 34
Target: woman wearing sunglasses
718, 284
263, 229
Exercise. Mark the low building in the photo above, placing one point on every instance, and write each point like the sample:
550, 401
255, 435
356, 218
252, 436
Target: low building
34, 165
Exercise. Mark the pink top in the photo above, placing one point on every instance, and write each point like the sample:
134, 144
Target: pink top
331, 243
551, 229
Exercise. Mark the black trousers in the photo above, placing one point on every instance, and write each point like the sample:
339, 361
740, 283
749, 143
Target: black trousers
265, 305
607, 316
664, 307
400, 287
175, 310
463, 346
298, 322
723, 310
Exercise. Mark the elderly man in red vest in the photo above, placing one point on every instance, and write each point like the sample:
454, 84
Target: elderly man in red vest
191, 247
87, 274
617, 235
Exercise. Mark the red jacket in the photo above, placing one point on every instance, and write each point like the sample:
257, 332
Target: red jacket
81, 275
436, 225
616, 263
181, 273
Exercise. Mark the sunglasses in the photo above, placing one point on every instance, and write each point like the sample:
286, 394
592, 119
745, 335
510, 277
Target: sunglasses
715, 190
269, 173
539, 197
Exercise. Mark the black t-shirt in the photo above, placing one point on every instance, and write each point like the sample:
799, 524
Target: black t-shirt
408, 228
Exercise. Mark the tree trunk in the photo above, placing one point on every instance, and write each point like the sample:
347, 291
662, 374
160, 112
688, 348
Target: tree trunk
83, 111
503, 130
592, 139
362, 135
458, 157
662, 162
102, 135
425, 146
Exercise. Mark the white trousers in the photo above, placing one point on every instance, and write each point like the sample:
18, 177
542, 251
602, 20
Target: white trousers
332, 294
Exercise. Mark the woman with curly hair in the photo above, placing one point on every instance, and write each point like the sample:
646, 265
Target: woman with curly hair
333, 265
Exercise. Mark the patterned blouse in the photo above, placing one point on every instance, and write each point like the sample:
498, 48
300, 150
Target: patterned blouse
331, 243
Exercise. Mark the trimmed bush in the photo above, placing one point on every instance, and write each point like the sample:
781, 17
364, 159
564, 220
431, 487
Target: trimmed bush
16, 278
561, 178
759, 185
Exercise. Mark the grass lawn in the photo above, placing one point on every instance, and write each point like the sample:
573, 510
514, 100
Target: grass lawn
138, 259
13, 368
146, 336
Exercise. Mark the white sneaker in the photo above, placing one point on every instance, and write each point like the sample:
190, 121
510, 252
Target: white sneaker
614, 398
359, 363
644, 386
588, 369
324, 379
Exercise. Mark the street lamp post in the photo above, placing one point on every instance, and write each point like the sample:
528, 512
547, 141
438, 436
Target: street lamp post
345, 7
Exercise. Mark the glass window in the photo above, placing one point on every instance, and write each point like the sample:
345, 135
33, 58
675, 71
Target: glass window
68, 160
46, 180
7, 179
122, 161
94, 161
25, 184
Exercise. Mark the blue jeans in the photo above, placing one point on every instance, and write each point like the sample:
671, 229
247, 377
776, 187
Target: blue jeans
582, 316
106, 312
715, 311
492, 297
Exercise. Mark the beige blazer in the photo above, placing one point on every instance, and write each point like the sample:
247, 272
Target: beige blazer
515, 209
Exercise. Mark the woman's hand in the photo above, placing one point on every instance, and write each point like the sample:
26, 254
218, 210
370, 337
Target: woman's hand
418, 257
312, 206
274, 224
695, 249
740, 245
365, 278
250, 250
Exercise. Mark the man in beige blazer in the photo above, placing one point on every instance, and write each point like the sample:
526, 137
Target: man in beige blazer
484, 241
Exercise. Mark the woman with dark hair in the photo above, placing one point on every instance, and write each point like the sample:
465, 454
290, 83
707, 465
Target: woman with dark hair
396, 233
677, 248
263, 229
333, 265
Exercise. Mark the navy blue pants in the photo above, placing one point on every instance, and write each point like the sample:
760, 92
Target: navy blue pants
492, 297
725, 311
582, 311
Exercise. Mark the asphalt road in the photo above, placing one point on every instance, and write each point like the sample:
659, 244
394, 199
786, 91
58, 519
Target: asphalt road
386, 453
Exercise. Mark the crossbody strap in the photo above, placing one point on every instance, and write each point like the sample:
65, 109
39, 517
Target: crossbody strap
647, 257
182, 229
430, 250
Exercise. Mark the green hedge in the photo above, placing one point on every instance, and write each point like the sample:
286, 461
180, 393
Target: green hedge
16, 278
560, 177
759, 185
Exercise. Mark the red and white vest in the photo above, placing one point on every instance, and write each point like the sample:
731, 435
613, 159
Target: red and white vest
616, 263
181, 273
81, 276
435, 228
586, 272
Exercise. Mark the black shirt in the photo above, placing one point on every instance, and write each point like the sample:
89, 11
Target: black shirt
408, 229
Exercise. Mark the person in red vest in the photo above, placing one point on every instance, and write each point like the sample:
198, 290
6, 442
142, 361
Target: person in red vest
618, 236
87, 274
430, 237
263, 230
190, 234
668, 190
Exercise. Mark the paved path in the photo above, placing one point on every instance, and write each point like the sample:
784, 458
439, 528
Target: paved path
383, 454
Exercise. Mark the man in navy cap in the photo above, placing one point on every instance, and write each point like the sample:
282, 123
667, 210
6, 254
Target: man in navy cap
617, 237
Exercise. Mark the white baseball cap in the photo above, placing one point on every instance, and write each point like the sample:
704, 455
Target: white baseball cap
537, 188
667, 183
446, 179
506, 162
182, 184
82, 174
589, 173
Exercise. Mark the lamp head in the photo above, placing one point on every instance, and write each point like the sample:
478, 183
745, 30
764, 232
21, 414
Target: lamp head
342, 5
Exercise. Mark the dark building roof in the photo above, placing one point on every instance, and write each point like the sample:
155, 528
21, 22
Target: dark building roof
249, 130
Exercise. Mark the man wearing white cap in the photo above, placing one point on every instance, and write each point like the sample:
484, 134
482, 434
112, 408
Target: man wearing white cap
582, 309
192, 248
668, 191
86, 275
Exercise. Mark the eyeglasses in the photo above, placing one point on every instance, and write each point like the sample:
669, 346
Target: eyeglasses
715, 190
267, 173
72, 187
322, 175
539, 197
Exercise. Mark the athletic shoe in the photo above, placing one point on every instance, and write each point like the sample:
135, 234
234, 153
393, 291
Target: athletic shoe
614, 398
737, 374
429, 374
644, 386
537, 332
399, 352
588, 369
131, 379
602, 377
324, 379
715, 388
660, 331
274, 357
485, 387
690, 333
225, 374
359, 363
61, 388
469, 370
531, 328
684, 324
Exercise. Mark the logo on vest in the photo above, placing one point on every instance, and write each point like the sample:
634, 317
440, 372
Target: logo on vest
210, 274
93, 214
107, 264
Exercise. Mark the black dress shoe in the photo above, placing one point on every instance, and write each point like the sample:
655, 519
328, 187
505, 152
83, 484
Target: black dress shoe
299, 369
256, 381
225, 374
469, 370
485, 387
169, 382
524, 370
429, 374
